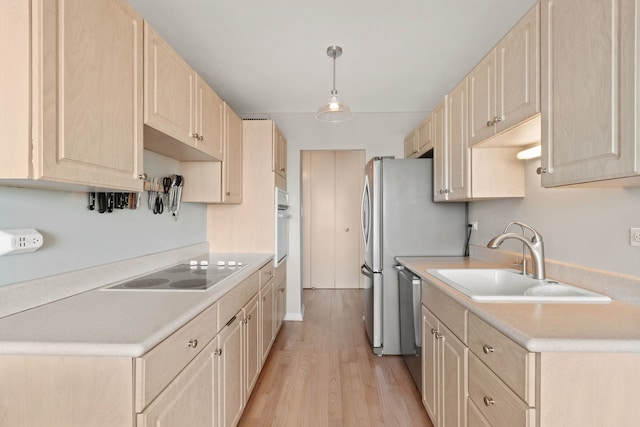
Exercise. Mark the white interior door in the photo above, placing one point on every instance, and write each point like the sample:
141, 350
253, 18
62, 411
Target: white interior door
332, 241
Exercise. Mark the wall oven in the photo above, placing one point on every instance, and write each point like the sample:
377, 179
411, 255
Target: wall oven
282, 225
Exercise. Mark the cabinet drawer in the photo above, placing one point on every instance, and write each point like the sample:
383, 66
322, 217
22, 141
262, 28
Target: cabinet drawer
235, 299
497, 403
446, 309
158, 367
512, 363
266, 273
475, 417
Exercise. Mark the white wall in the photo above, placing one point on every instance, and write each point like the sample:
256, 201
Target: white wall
588, 227
76, 238
377, 133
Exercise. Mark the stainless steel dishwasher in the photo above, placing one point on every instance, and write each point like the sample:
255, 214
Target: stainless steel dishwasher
410, 298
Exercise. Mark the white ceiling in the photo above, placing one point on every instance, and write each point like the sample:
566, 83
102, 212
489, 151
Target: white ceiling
270, 56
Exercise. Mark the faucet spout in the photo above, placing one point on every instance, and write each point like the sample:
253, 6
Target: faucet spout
535, 246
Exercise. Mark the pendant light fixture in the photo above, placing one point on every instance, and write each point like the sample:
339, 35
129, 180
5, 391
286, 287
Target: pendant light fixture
334, 110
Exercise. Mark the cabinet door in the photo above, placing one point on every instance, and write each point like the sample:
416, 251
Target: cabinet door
209, 120
189, 399
88, 121
518, 71
589, 90
279, 310
453, 382
232, 164
169, 90
459, 151
429, 365
482, 99
266, 319
253, 352
230, 373
440, 154
279, 153
410, 146
425, 135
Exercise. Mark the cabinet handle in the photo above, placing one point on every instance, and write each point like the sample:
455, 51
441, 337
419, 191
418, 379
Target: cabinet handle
218, 352
281, 169
540, 171
194, 135
200, 138
228, 193
446, 191
497, 119
281, 290
264, 298
488, 401
193, 343
486, 349
346, 229
489, 123
433, 331
438, 335
142, 176
248, 318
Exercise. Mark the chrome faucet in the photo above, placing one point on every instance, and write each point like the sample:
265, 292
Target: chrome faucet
536, 247
523, 263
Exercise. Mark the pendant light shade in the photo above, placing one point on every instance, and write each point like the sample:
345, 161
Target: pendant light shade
334, 110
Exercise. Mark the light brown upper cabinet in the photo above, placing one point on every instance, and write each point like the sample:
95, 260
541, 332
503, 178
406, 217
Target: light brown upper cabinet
182, 114
420, 140
217, 182
462, 173
459, 154
504, 88
590, 93
71, 104
279, 153
411, 145
440, 152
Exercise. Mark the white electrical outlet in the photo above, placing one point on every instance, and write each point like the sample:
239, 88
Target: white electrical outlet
474, 225
19, 241
634, 236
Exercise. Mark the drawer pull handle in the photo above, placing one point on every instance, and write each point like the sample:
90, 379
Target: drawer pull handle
264, 298
486, 349
488, 401
433, 331
218, 352
193, 343
438, 335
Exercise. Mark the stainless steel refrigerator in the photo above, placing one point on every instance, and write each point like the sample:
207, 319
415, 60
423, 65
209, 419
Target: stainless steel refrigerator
399, 218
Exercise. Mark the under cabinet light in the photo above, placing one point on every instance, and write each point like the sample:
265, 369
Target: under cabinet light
530, 153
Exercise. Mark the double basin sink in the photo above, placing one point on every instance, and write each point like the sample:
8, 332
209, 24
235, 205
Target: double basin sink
505, 285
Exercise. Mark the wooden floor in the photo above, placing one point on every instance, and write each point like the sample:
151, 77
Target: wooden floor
322, 372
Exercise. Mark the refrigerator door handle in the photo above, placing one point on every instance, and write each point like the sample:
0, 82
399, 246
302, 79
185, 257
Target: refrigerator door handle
364, 269
367, 213
367, 271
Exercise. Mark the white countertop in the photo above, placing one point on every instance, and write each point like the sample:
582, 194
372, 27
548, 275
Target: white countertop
124, 323
538, 327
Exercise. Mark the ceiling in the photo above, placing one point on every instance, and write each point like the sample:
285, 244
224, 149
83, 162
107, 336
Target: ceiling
270, 56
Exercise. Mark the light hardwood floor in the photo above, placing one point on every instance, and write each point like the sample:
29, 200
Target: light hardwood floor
321, 372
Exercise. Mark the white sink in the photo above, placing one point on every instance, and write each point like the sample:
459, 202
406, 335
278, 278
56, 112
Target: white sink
490, 284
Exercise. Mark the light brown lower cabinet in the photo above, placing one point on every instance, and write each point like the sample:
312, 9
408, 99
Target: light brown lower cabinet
201, 375
267, 318
498, 383
191, 398
230, 372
